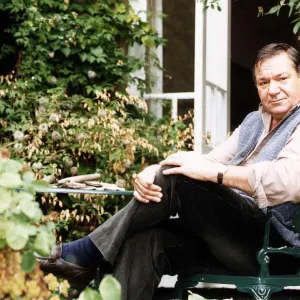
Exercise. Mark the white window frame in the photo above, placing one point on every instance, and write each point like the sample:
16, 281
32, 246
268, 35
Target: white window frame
211, 105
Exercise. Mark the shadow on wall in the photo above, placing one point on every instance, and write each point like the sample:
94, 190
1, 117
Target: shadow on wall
244, 97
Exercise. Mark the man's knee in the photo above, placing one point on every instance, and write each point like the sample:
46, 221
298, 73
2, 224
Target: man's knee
163, 180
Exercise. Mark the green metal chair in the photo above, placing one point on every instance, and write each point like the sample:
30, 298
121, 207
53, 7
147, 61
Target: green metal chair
260, 287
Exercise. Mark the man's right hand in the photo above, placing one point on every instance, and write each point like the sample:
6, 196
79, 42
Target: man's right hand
144, 189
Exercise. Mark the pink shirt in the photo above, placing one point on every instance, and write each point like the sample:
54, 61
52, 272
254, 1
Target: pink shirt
273, 182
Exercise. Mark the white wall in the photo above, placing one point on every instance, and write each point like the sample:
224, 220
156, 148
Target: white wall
140, 7
217, 45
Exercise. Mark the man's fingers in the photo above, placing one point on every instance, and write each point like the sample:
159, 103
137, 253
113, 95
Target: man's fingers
148, 186
143, 181
144, 197
145, 189
139, 198
170, 162
148, 194
173, 171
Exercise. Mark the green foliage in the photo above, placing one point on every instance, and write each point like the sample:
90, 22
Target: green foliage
65, 108
21, 228
213, 4
80, 47
89, 294
109, 289
193, 296
293, 7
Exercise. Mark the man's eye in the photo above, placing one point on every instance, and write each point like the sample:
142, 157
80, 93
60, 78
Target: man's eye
263, 83
283, 78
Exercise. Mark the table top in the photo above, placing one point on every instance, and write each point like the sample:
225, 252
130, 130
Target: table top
58, 190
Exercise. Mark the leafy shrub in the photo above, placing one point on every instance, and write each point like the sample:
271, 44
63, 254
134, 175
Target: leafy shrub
22, 233
20, 215
65, 108
109, 289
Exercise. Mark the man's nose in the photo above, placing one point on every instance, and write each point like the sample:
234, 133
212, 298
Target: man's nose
274, 87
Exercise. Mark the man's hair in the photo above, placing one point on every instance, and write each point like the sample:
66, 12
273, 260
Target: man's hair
271, 50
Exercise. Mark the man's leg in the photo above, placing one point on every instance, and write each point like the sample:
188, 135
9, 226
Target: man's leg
164, 249
134, 217
231, 226
80, 257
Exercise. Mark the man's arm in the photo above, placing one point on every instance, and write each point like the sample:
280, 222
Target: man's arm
225, 151
278, 181
206, 170
146, 191
206, 167
270, 182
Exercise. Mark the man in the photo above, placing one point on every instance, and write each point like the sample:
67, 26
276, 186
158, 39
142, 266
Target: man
220, 199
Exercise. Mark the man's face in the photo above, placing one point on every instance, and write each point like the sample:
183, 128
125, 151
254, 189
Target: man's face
278, 85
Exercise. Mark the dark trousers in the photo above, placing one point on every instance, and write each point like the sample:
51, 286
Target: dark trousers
218, 232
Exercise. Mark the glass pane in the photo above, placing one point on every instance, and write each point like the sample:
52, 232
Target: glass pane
178, 54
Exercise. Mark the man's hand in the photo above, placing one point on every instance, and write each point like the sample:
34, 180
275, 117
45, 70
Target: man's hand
144, 189
191, 165
182, 157
204, 169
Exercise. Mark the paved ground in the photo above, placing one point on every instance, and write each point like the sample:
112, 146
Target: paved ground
218, 291
221, 293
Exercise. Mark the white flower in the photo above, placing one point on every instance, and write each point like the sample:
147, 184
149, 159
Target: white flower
18, 147
37, 165
43, 100
52, 80
69, 163
91, 123
74, 171
56, 136
120, 183
80, 137
18, 135
41, 109
101, 113
91, 74
43, 127
54, 118
127, 142
127, 163
51, 54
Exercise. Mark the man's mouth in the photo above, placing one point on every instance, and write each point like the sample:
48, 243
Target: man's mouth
276, 100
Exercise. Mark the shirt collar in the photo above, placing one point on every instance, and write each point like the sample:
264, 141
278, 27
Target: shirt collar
266, 117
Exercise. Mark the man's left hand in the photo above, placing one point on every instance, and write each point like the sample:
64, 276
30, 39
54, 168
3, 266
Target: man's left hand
197, 168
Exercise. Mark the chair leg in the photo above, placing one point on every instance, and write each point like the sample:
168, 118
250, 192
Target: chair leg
259, 291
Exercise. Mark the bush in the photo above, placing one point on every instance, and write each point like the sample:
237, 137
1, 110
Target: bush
22, 233
65, 108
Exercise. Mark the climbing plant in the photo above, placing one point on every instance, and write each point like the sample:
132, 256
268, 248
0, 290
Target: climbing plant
291, 7
65, 106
